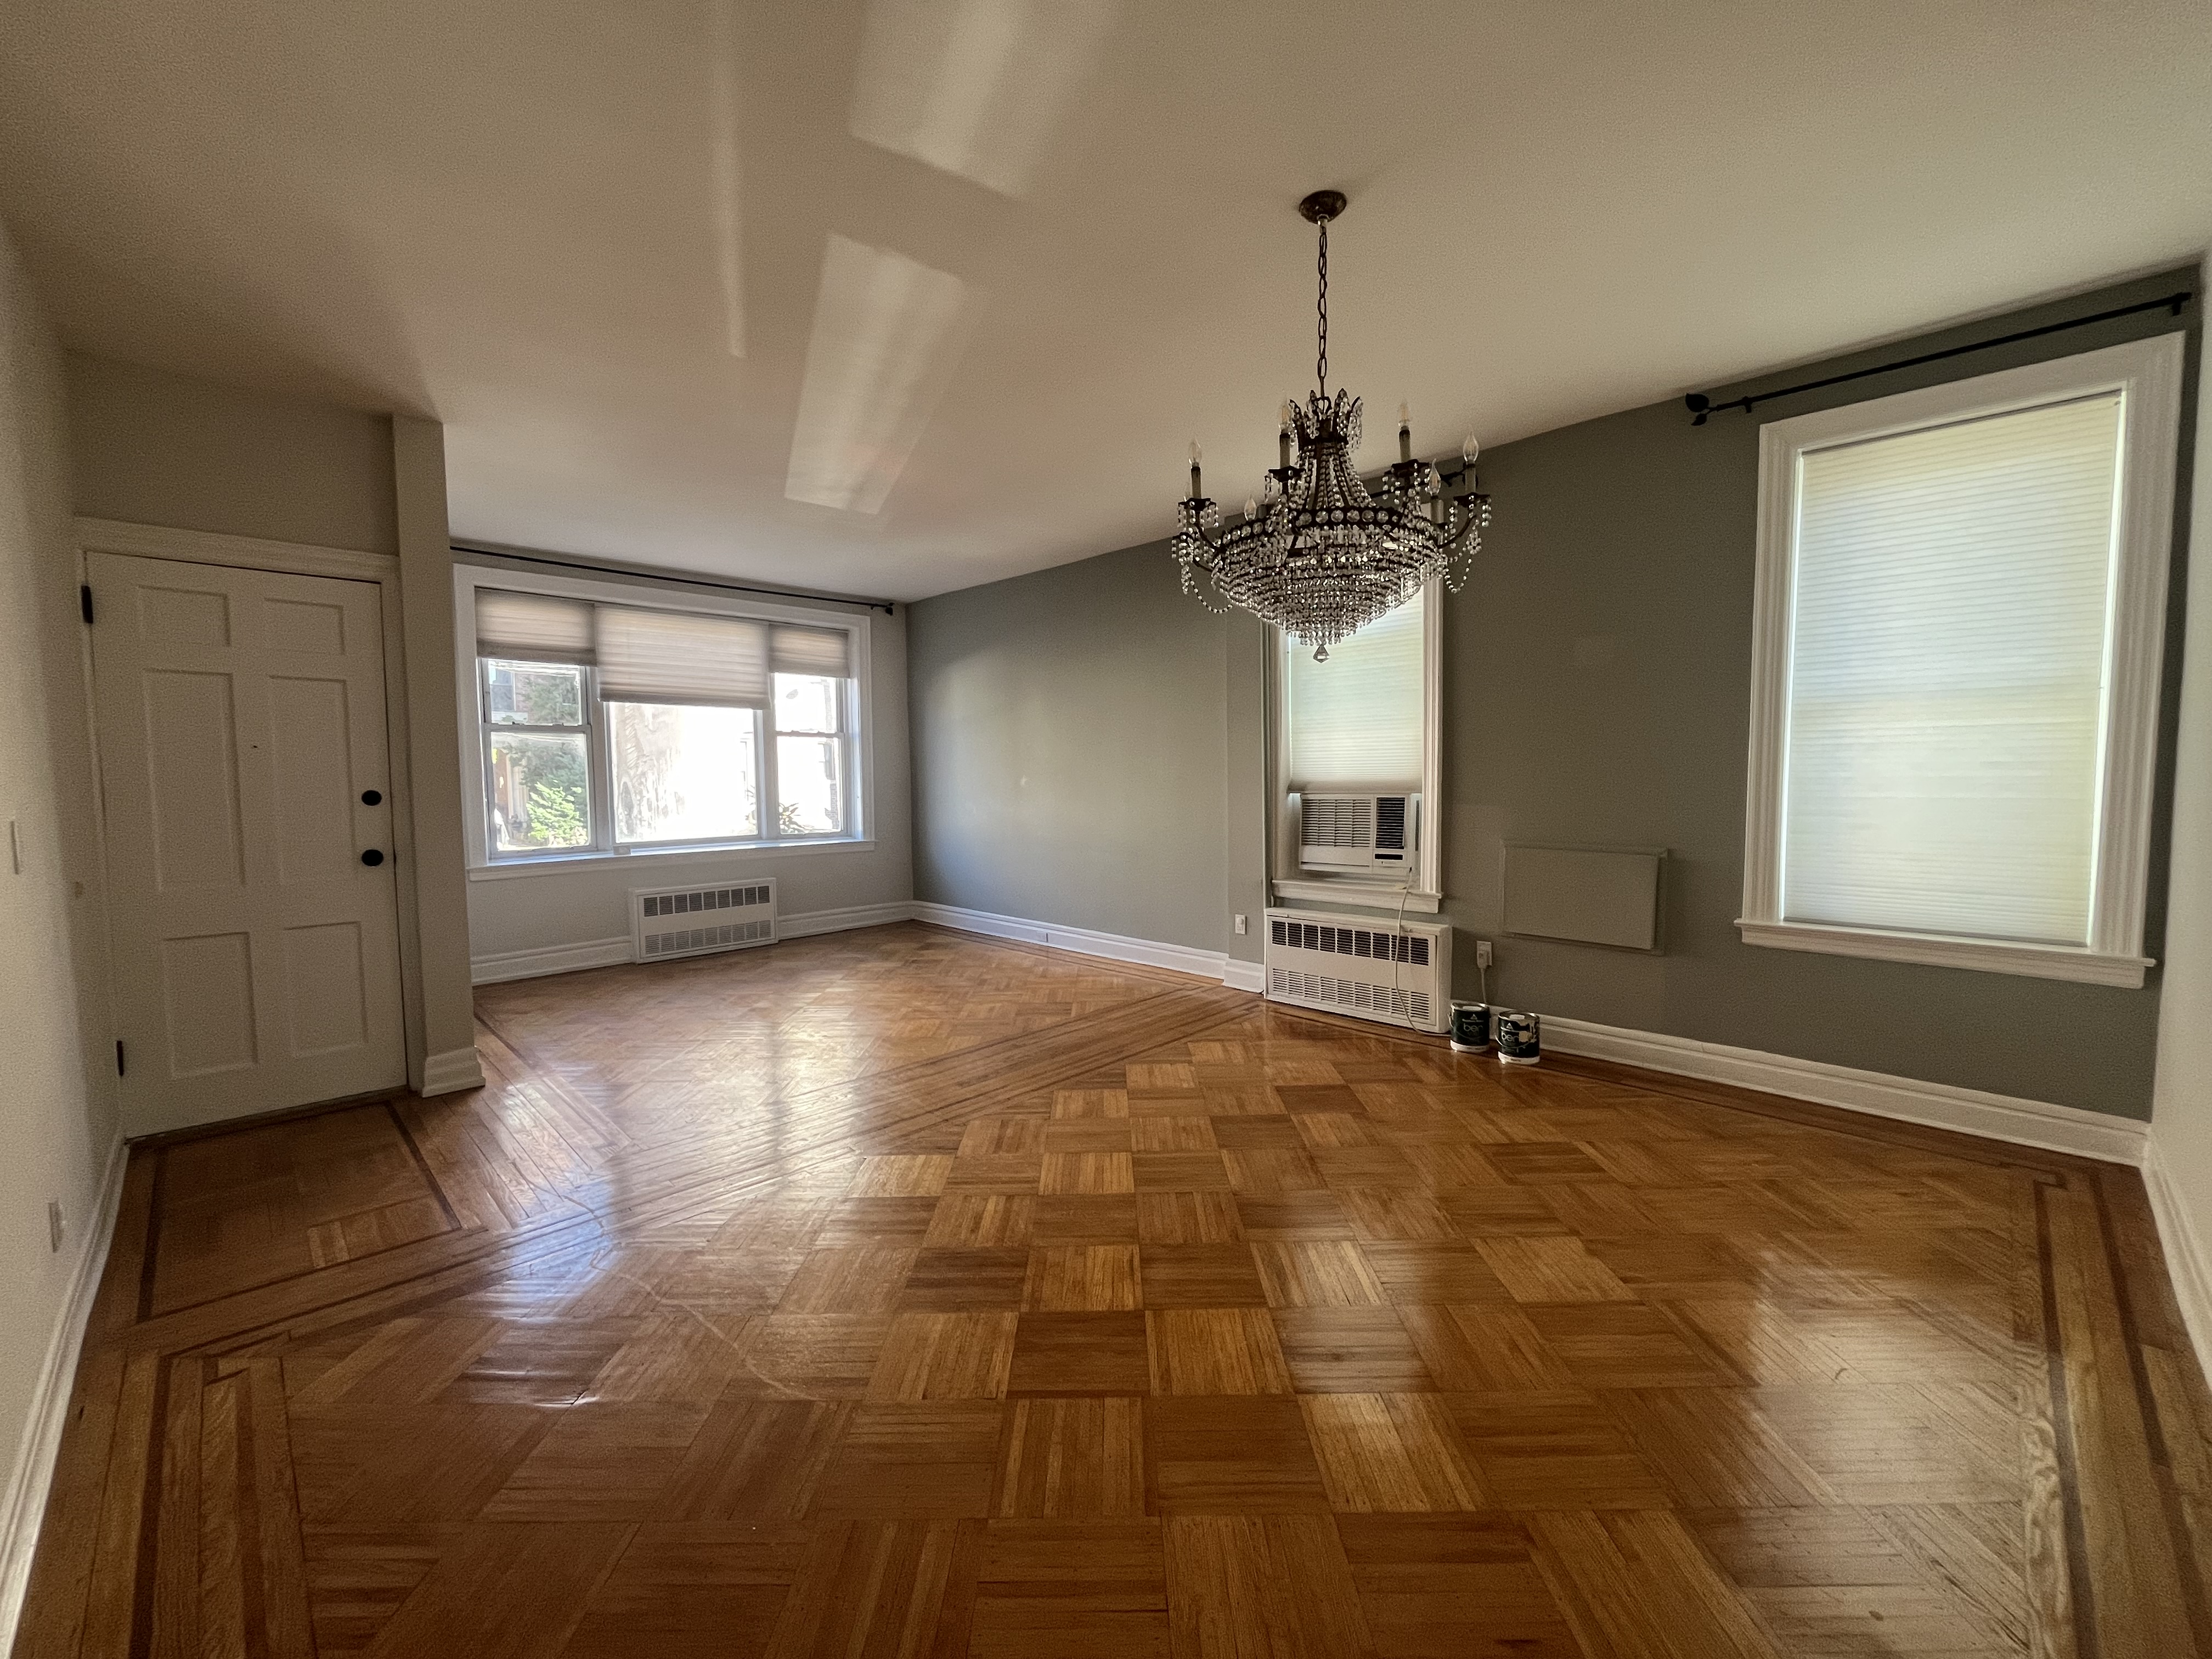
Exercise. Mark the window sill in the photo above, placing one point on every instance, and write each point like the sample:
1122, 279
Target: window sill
1938, 950
1360, 894
555, 863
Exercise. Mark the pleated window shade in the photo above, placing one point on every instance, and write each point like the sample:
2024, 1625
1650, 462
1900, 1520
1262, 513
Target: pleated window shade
1356, 720
681, 657
813, 651
532, 627
1952, 598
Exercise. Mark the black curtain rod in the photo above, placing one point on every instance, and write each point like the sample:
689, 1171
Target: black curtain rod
888, 607
1700, 404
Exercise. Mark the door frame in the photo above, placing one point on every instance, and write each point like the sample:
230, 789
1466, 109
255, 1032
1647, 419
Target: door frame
149, 541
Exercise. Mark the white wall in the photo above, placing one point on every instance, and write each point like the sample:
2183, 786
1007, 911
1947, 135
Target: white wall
58, 1110
524, 922
2181, 1112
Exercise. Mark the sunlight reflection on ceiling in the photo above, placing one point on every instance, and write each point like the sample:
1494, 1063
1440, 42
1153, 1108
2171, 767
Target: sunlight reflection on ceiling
974, 86
888, 332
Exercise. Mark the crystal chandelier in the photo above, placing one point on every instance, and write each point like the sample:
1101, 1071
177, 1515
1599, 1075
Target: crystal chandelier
1317, 555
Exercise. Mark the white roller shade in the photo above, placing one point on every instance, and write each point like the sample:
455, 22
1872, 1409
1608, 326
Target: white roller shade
1947, 676
813, 651
1356, 718
532, 627
674, 657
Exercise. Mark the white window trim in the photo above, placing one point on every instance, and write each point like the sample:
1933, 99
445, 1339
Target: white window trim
2149, 373
467, 578
1290, 881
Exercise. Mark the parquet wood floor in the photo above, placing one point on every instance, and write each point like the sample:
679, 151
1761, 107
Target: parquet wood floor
902, 1293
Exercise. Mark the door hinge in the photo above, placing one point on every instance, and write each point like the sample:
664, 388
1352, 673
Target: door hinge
118, 1056
84, 601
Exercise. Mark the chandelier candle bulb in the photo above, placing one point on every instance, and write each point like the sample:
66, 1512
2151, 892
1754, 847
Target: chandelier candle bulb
1195, 453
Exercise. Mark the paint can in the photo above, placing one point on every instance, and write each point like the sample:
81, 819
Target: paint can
1518, 1040
1470, 1027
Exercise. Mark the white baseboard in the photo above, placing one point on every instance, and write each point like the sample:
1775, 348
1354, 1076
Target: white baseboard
2188, 1260
837, 921
1084, 941
450, 1073
1939, 1105
501, 965
24, 1505
551, 959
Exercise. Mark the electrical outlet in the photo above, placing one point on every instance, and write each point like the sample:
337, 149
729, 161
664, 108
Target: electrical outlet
53, 1224
1240, 924
1482, 957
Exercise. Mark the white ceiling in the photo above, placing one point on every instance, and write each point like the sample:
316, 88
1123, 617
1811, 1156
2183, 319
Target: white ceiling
894, 296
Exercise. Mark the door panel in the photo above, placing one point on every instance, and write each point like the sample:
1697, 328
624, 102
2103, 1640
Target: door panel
241, 718
312, 768
193, 784
325, 987
207, 1004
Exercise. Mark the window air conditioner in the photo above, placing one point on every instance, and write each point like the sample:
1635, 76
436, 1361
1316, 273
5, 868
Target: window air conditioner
1358, 832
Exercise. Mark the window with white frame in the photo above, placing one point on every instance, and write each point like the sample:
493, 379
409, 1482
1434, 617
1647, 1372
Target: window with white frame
1361, 723
1956, 656
612, 727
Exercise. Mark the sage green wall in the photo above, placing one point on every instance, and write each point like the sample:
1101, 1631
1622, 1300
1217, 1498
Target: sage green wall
1073, 760
1079, 753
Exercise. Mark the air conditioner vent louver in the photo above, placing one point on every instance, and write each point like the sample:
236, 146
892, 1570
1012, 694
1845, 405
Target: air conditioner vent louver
1337, 821
1358, 832
690, 921
1399, 973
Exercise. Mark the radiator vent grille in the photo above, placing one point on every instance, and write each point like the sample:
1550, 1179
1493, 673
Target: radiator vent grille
691, 922
706, 898
1367, 942
1392, 1002
1342, 821
684, 940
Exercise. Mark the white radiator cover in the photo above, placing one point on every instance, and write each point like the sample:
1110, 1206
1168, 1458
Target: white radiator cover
665, 922
1392, 972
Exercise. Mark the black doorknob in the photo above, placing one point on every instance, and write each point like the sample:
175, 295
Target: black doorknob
372, 857
372, 797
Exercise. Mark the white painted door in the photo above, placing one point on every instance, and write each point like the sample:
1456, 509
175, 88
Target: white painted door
244, 770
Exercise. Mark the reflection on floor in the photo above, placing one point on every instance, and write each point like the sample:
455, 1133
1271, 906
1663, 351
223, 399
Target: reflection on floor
900, 1293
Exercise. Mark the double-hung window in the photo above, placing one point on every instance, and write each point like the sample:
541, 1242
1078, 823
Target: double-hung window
1956, 657
1363, 723
610, 726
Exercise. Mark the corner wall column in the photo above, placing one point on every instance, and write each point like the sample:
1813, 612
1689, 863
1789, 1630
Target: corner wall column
441, 1051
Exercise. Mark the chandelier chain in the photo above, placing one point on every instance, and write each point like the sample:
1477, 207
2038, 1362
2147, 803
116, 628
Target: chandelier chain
1321, 309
